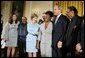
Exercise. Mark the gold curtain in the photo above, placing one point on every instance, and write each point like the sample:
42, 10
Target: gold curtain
78, 4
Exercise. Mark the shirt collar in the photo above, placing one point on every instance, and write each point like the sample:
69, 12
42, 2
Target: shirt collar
58, 15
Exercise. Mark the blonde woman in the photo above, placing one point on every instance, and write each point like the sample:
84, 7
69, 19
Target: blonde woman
32, 29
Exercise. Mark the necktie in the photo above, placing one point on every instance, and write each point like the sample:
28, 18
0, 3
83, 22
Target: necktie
56, 20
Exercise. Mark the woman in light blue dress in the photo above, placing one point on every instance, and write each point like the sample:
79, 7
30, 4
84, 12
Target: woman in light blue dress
31, 40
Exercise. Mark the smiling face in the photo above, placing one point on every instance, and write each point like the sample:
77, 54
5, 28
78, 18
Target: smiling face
69, 13
44, 16
56, 10
14, 17
35, 19
48, 18
24, 19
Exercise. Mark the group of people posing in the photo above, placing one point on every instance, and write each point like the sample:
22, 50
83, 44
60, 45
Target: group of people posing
56, 36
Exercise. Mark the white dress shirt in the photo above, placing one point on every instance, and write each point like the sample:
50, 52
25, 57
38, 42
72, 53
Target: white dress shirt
57, 18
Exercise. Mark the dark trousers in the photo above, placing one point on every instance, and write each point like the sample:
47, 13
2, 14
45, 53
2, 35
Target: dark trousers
56, 52
39, 53
4, 52
22, 48
69, 51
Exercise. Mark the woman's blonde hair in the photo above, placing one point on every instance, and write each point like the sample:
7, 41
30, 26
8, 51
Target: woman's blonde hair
34, 15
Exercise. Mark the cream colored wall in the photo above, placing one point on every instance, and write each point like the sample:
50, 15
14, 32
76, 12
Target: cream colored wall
30, 7
37, 7
6, 8
27, 9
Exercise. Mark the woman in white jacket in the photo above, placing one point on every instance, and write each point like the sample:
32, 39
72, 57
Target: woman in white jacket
45, 36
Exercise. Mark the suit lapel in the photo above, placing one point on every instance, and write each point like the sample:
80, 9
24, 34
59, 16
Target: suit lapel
71, 27
59, 20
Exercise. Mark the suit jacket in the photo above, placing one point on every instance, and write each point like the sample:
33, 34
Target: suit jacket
22, 31
82, 35
71, 35
80, 38
59, 30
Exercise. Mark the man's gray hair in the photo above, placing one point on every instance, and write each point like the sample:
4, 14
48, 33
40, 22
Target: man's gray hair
59, 7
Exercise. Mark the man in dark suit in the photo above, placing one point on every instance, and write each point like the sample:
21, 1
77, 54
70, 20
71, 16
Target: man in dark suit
71, 35
22, 32
59, 28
